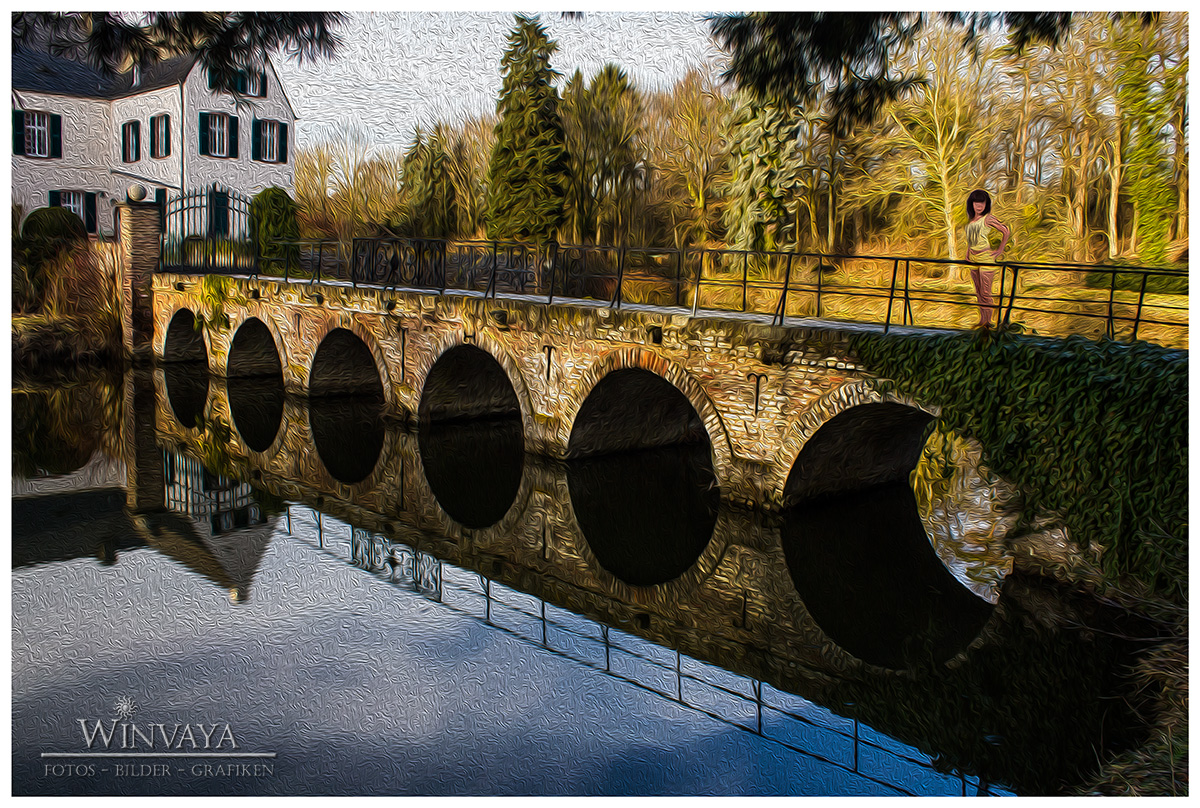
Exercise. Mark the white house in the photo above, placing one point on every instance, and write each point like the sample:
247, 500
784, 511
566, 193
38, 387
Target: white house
80, 138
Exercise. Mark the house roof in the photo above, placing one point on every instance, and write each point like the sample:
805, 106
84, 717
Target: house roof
40, 72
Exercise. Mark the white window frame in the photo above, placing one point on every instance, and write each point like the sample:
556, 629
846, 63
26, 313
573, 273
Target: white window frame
162, 123
37, 133
131, 142
255, 83
74, 202
218, 133
268, 144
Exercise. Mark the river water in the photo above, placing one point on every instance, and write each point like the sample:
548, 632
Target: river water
202, 607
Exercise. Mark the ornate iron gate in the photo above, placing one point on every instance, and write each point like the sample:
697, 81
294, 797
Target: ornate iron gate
209, 230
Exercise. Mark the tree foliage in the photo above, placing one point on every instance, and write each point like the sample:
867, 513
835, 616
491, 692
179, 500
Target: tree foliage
527, 176
277, 228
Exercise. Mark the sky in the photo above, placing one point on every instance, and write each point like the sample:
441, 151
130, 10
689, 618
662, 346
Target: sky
398, 70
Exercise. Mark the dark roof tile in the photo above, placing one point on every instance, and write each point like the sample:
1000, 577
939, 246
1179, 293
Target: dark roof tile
40, 72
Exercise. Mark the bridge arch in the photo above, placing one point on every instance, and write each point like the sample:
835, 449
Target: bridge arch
183, 341
676, 376
853, 437
494, 351
348, 340
256, 360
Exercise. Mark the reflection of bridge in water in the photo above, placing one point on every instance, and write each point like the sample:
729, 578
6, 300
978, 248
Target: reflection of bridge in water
519, 556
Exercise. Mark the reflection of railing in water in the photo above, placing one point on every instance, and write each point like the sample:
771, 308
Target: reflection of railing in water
748, 704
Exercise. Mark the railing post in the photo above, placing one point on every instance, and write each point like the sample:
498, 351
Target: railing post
1000, 300
679, 276
1012, 293
745, 277
620, 276
908, 315
1109, 330
820, 276
1141, 296
787, 277
492, 277
699, 280
444, 245
553, 271
887, 324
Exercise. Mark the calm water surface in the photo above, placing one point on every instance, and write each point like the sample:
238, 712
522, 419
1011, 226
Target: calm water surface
217, 630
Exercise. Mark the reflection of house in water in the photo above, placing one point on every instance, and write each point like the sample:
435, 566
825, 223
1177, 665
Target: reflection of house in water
224, 503
227, 529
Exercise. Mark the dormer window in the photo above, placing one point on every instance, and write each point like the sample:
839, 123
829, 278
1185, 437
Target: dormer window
252, 83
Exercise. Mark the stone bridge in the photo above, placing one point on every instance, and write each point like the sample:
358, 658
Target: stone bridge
584, 379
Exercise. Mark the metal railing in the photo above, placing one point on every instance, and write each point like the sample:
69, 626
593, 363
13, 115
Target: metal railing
1118, 302
786, 720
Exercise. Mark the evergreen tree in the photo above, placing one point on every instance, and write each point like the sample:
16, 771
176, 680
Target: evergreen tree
527, 177
765, 172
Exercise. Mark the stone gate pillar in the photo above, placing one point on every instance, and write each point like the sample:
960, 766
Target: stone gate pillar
139, 232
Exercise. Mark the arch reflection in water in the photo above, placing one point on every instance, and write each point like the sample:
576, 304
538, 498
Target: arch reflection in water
256, 405
348, 433
648, 515
187, 390
473, 467
869, 577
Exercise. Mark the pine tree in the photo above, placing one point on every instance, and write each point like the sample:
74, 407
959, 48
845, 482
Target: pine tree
527, 177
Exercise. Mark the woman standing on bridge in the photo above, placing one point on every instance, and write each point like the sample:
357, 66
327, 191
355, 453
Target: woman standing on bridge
979, 215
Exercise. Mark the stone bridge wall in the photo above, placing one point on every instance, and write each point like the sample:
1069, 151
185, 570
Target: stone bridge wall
760, 391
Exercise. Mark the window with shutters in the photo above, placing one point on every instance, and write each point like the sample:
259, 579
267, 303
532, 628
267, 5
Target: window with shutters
37, 134
218, 134
252, 83
270, 141
72, 201
131, 145
160, 136
81, 203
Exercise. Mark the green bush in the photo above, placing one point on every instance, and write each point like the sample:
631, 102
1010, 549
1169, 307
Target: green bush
276, 228
46, 234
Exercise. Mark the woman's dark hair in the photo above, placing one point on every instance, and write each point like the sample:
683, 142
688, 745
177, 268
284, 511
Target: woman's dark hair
978, 196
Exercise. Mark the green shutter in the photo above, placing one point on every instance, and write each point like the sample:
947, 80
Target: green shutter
89, 210
256, 139
125, 143
166, 147
283, 136
233, 136
56, 199
18, 131
262, 84
204, 134
56, 136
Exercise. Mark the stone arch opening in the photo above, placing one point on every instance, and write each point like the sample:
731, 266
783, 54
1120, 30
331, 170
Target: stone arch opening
632, 409
856, 547
184, 342
471, 438
346, 398
255, 386
467, 383
344, 365
641, 478
185, 371
860, 447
